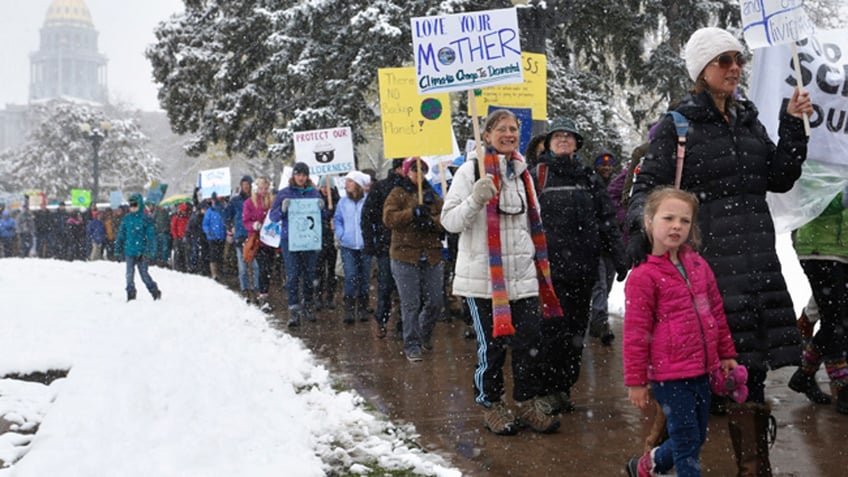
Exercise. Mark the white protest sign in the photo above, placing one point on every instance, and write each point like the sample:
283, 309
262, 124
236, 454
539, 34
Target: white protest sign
824, 72
214, 180
466, 50
325, 151
774, 22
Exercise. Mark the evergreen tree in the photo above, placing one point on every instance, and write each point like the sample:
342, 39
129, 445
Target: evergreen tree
57, 158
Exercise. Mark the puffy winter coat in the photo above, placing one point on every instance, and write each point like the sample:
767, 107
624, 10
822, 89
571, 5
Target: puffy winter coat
378, 238
410, 243
347, 221
579, 219
674, 327
8, 226
233, 216
462, 215
137, 235
213, 225
253, 212
730, 167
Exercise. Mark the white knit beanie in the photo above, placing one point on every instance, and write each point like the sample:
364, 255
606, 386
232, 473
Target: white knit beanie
360, 178
704, 45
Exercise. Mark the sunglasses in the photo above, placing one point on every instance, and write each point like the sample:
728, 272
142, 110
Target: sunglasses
726, 60
133, 204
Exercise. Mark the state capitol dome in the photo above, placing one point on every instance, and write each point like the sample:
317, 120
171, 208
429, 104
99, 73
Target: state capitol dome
68, 13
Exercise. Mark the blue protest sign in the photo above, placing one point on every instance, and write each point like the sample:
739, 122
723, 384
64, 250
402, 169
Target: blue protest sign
525, 120
304, 218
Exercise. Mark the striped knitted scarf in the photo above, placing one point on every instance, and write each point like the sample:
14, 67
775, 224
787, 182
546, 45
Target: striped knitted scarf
501, 313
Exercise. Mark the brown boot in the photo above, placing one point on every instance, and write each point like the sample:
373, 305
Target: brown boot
499, 419
531, 413
748, 424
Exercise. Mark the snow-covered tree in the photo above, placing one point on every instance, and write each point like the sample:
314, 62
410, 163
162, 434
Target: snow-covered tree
57, 157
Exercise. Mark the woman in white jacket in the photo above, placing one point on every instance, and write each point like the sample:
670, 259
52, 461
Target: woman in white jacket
501, 271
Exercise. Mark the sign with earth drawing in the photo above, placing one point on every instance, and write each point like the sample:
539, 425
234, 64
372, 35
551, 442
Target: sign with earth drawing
466, 50
412, 124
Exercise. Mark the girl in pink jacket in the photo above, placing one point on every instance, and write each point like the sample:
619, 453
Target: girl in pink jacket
675, 334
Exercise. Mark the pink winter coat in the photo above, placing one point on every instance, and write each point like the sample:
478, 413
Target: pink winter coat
673, 330
252, 213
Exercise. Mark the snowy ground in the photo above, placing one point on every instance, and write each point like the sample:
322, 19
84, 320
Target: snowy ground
196, 384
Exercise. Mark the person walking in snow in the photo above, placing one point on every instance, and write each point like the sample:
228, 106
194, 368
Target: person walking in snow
254, 211
729, 164
8, 234
136, 241
502, 270
347, 225
675, 334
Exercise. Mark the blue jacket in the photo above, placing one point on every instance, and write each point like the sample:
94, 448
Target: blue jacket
8, 226
96, 231
233, 214
290, 192
213, 225
137, 236
348, 223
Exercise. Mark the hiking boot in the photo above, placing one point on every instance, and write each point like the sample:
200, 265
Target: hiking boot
806, 384
607, 336
499, 419
156, 294
294, 316
531, 413
246, 295
264, 304
414, 356
130, 295
349, 310
559, 402
362, 310
381, 330
308, 312
549, 404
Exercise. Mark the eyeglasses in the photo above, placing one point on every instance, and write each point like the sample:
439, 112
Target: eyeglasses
561, 135
726, 60
505, 129
513, 210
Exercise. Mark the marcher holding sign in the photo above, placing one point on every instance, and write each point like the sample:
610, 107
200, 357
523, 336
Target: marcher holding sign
729, 162
502, 271
300, 265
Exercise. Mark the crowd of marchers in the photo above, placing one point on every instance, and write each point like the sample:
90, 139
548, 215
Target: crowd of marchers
524, 247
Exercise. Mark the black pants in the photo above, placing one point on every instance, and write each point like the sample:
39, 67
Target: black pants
563, 338
828, 280
491, 352
327, 272
265, 259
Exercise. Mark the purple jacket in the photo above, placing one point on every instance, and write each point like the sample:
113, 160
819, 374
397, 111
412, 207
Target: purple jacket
615, 190
673, 330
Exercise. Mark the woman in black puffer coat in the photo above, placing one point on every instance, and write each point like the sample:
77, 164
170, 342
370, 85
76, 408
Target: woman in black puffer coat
730, 163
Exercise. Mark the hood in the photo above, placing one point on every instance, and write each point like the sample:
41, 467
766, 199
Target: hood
137, 197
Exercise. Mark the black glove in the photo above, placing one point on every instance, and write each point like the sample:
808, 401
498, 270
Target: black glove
621, 270
421, 218
638, 248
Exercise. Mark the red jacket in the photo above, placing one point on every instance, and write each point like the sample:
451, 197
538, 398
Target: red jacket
673, 329
179, 222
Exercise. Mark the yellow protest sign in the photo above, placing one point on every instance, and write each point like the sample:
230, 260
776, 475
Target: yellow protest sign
412, 125
532, 93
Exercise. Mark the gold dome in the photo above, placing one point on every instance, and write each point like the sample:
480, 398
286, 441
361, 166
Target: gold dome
68, 13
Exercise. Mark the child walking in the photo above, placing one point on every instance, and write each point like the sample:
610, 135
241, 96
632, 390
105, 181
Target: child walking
675, 334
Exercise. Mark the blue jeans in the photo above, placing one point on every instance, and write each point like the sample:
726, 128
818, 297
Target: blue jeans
420, 290
244, 281
686, 403
601, 290
357, 268
300, 267
141, 264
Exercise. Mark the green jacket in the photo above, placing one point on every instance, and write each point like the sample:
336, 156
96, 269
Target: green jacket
825, 235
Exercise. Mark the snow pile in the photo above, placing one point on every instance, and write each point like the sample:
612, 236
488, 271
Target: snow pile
194, 384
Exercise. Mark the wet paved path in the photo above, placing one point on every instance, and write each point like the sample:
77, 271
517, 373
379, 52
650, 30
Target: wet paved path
436, 396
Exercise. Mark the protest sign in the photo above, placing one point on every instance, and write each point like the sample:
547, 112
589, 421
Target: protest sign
532, 93
80, 197
115, 199
412, 124
304, 225
466, 50
214, 181
824, 72
325, 151
270, 232
774, 22
525, 124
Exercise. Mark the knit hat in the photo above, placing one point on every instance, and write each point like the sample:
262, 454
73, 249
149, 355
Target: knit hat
704, 45
409, 162
247, 179
567, 125
397, 163
360, 178
300, 168
605, 159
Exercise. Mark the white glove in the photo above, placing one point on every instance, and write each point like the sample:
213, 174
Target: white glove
284, 207
484, 190
321, 204
257, 226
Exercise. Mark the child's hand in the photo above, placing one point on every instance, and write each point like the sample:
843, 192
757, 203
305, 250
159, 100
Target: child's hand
727, 365
639, 396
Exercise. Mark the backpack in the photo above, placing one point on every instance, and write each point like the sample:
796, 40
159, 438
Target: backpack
681, 124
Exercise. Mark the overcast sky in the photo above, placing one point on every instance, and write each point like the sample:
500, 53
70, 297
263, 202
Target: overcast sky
125, 27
